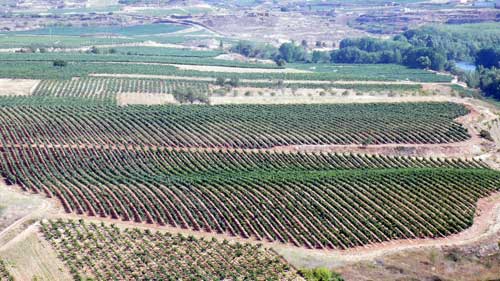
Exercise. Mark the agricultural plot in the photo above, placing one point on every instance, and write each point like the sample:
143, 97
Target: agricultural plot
136, 30
109, 253
236, 126
106, 89
118, 58
170, 52
309, 200
40, 66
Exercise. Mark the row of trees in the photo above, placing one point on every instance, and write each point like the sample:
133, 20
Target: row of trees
426, 47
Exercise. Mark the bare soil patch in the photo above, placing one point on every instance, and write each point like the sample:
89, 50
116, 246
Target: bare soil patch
144, 98
30, 257
17, 87
210, 68
252, 95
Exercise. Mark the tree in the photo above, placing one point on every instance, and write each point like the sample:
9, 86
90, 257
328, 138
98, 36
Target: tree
59, 63
320, 57
94, 50
320, 274
280, 62
488, 58
234, 82
188, 95
292, 53
220, 81
489, 81
424, 62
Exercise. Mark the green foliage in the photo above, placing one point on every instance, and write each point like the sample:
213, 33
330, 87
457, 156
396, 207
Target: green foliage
489, 81
488, 58
320, 274
253, 50
290, 52
60, 63
426, 47
157, 256
4, 274
189, 95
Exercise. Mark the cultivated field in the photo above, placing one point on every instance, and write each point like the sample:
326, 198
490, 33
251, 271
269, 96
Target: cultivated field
108, 252
135, 152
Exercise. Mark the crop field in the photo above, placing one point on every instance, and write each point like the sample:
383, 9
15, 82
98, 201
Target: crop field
161, 51
136, 30
110, 253
175, 59
23, 41
235, 126
106, 89
153, 62
310, 200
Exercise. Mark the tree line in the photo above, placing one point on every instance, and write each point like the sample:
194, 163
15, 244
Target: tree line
426, 48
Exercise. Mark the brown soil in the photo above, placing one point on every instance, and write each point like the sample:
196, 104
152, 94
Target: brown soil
17, 87
144, 98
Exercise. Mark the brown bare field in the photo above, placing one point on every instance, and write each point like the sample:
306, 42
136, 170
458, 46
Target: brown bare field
144, 98
17, 87
27, 257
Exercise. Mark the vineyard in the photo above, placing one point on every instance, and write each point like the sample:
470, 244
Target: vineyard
234, 126
312, 200
35, 66
106, 89
109, 253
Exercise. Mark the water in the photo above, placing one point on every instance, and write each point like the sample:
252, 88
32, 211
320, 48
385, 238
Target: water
466, 66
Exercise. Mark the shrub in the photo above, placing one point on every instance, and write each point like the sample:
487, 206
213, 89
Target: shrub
59, 63
320, 274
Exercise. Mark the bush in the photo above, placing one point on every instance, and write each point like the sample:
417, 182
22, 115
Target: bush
188, 95
486, 135
220, 81
320, 274
59, 63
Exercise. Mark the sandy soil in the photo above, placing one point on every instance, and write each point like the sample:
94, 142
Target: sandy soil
473, 262
25, 254
30, 257
17, 87
144, 98
242, 58
314, 96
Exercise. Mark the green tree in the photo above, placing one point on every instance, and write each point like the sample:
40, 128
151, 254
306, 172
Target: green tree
59, 63
320, 274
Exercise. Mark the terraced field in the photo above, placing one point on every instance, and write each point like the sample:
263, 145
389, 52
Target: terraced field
316, 201
109, 253
26, 121
106, 89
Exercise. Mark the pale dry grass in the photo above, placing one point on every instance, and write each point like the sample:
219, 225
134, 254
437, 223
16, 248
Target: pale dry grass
30, 257
144, 98
17, 87
210, 68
